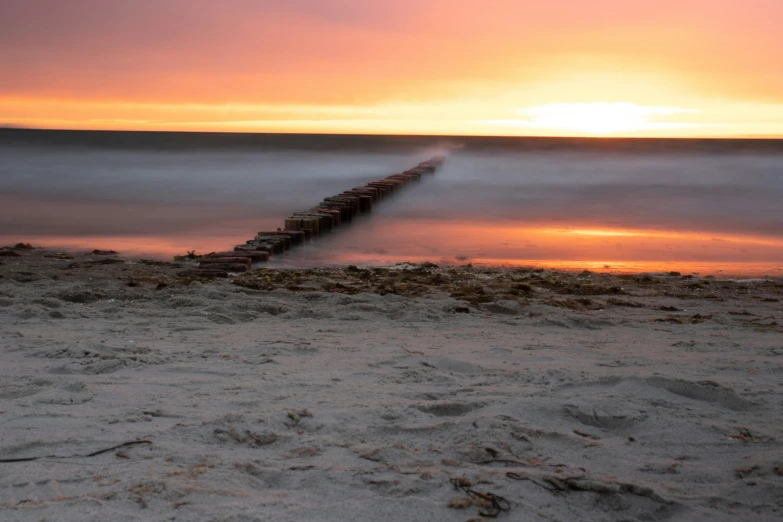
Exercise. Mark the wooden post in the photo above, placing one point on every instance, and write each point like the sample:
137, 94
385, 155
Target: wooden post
334, 211
294, 237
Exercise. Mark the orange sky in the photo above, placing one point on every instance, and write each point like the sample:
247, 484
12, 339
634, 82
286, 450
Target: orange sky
560, 67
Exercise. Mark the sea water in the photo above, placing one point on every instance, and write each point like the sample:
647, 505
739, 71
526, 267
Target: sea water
706, 206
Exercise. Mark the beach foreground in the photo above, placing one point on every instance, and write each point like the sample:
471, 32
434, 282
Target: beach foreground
412, 392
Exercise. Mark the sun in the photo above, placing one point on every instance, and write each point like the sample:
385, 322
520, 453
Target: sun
597, 118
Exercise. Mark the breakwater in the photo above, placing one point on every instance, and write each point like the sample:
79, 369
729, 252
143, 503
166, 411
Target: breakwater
302, 227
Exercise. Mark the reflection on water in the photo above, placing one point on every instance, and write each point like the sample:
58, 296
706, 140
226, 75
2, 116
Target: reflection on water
653, 205
505, 244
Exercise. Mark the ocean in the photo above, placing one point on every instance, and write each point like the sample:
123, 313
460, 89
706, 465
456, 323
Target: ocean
626, 205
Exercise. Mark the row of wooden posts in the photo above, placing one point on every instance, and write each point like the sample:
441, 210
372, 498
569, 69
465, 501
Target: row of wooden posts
302, 227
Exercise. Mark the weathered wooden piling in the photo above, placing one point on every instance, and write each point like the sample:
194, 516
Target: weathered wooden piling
296, 237
301, 227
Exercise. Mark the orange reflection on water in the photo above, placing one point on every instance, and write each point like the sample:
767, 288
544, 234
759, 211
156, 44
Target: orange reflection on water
384, 241
595, 248
720, 268
493, 240
695, 236
135, 246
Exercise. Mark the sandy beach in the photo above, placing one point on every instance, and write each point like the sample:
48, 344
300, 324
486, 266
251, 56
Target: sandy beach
412, 392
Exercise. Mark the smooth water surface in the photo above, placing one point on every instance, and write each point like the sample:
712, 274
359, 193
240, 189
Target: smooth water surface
626, 205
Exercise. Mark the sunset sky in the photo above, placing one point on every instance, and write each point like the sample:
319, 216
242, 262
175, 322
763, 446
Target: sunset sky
463, 67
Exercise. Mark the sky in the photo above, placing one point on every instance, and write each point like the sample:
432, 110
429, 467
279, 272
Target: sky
679, 68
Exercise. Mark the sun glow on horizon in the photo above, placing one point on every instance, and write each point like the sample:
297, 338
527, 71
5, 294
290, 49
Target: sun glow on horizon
605, 68
458, 116
598, 118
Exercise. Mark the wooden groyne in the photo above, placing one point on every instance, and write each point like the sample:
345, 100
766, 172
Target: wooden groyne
301, 227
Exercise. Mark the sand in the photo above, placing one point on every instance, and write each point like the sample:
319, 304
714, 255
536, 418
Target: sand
413, 392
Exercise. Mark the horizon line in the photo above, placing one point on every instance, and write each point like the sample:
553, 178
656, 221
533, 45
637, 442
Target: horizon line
536, 136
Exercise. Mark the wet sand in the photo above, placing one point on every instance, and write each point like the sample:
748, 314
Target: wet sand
411, 392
